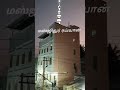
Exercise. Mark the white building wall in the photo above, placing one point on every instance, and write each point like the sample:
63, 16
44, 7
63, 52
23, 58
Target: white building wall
63, 58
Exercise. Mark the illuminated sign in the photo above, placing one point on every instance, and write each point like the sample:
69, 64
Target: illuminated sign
59, 12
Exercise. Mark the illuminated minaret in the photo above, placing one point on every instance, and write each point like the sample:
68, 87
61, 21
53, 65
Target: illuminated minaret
59, 12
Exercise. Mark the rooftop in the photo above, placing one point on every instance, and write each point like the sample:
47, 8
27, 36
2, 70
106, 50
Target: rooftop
56, 26
44, 35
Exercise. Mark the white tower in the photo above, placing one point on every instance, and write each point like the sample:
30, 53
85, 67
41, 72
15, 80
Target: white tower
59, 12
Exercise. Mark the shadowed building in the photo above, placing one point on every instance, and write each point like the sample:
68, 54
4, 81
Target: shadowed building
60, 54
21, 70
3, 78
96, 62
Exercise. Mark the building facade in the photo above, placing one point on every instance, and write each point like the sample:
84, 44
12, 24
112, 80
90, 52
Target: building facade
21, 68
59, 57
96, 62
3, 78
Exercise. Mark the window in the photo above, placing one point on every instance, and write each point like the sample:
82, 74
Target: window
51, 47
11, 59
93, 33
44, 50
54, 78
95, 63
30, 56
17, 62
74, 52
23, 58
75, 67
47, 49
50, 77
54, 81
50, 61
51, 34
39, 51
41, 62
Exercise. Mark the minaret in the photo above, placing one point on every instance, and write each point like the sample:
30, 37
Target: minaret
59, 12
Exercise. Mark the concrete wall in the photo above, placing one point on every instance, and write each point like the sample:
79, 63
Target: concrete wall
65, 44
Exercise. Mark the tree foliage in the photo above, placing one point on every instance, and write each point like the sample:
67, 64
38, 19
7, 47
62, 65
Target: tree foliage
82, 51
114, 60
113, 53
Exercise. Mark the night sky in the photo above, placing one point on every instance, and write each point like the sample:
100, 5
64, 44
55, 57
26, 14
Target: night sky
72, 12
114, 22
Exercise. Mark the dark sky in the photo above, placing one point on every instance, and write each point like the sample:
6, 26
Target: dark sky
114, 22
72, 12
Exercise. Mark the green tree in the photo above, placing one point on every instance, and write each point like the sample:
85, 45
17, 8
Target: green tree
113, 59
82, 59
113, 53
82, 51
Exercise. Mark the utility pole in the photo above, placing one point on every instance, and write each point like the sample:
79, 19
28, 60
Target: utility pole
44, 66
43, 72
48, 80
